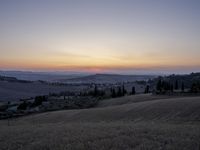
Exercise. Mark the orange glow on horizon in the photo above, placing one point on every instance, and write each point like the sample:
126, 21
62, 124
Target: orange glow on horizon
96, 63
96, 68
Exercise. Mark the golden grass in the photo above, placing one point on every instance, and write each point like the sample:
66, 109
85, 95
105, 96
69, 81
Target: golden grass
168, 124
100, 135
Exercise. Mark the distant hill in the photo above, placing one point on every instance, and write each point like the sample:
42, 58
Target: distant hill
12, 79
4, 78
108, 78
44, 76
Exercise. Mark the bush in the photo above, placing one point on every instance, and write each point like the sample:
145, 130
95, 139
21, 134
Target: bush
22, 106
38, 100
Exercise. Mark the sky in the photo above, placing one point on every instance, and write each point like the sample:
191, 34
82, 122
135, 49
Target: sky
124, 36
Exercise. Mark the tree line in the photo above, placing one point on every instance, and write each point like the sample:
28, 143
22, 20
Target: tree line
163, 86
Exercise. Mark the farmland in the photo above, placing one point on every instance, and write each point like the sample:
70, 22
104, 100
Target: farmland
157, 123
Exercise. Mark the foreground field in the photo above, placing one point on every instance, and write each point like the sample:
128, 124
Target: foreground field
101, 135
159, 123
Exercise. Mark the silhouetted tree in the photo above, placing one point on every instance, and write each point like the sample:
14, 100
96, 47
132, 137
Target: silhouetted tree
171, 88
119, 92
113, 93
146, 89
22, 106
195, 88
123, 90
95, 90
159, 85
133, 91
38, 100
182, 87
176, 85
168, 86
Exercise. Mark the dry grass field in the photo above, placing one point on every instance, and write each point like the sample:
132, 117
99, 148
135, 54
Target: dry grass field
141, 122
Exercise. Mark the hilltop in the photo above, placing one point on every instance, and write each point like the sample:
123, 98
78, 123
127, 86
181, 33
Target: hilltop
109, 78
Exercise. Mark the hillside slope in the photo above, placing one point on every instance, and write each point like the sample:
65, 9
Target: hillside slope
132, 99
170, 124
12, 91
173, 109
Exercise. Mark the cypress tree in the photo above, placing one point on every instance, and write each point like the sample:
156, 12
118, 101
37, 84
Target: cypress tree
133, 91
182, 87
146, 89
113, 93
123, 90
159, 85
119, 93
176, 85
95, 90
171, 88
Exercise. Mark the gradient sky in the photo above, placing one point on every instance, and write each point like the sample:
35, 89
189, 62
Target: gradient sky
100, 35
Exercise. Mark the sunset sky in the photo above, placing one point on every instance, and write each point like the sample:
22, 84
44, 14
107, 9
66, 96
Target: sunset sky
100, 35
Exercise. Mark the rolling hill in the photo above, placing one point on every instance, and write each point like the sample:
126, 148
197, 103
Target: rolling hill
137, 122
155, 108
44, 76
108, 78
12, 89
